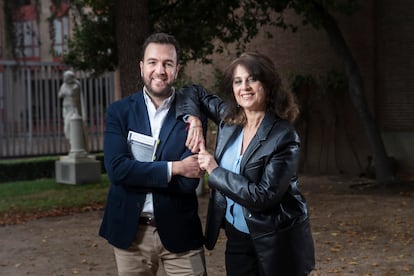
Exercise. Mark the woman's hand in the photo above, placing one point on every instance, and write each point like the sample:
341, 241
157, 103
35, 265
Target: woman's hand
195, 134
206, 160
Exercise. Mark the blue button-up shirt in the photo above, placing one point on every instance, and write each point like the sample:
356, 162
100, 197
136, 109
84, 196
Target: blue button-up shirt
234, 212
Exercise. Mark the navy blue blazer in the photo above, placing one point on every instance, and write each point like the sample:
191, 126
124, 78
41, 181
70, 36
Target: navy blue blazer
175, 202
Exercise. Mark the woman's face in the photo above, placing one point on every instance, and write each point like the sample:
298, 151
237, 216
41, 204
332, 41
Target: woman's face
248, 91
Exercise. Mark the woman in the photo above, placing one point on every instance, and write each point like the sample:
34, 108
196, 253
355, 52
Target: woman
255, 194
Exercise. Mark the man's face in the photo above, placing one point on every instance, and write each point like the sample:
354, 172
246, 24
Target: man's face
159, 69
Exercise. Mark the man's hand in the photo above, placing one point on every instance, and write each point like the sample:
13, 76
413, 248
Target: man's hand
187, 167
195, 134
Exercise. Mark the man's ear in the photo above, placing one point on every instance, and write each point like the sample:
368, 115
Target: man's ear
141, 66
177, 71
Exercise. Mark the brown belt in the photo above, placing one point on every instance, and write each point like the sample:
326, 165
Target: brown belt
147, 221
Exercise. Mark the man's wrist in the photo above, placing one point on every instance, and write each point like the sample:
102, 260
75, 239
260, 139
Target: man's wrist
194, 121
175, 168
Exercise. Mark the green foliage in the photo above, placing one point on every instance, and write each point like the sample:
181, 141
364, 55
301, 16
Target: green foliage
298, 82
46, 194
10, 33
28, 186
181, 80
197, 24
14, 41
328, 84
304, 87
325, 86
93, 46
31, 168
218, 77
333, 82
93, 39
310, 10
201, 26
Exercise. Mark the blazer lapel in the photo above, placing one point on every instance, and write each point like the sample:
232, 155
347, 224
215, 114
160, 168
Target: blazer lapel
141, 115
169, 122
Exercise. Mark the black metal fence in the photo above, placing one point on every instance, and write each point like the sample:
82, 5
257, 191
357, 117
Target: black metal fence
31, 123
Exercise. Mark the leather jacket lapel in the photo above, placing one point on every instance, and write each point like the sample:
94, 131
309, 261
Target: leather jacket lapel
227, 133
261, 135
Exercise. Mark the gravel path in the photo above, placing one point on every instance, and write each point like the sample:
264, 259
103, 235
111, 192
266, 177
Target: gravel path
357, 231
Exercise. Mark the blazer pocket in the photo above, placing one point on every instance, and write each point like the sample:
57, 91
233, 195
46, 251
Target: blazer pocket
253, 171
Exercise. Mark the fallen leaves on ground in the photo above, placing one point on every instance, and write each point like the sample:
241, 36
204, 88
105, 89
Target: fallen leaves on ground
21, 217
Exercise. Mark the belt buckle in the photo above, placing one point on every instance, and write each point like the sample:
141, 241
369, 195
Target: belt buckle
147, 219
150, 220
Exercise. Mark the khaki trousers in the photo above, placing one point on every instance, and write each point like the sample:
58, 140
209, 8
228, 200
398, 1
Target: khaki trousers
147, 254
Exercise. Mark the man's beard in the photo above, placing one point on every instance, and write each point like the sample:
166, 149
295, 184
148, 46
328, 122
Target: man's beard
164, 93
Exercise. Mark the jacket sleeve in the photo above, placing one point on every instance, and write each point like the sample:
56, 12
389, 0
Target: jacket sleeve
124, 170
264, 181
195, 100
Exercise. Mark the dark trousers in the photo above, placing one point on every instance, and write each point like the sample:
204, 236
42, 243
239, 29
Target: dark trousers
240, 256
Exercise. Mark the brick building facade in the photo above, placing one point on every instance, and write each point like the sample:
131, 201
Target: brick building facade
332, 136
38, 36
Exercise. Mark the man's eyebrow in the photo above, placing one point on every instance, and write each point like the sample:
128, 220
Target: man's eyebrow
156, 59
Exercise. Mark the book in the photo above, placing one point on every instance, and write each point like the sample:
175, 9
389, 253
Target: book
143, 147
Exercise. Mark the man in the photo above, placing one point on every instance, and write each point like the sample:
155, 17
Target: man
151, 214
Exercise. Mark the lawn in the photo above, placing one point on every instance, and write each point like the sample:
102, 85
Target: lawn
23, 200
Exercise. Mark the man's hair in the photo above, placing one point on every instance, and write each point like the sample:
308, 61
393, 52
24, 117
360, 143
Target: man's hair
161, 38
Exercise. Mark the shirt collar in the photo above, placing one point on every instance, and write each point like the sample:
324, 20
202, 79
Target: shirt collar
165, 104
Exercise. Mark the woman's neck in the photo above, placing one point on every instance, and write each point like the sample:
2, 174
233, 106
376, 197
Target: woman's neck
250, 128
253, 120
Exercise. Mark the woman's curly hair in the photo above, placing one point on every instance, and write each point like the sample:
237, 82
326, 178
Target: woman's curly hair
262, 68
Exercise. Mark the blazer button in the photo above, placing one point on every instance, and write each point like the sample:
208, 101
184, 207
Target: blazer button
250, 215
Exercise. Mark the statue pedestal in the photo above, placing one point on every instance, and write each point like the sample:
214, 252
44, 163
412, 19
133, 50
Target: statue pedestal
78, 169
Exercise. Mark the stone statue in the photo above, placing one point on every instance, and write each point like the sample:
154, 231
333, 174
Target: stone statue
73, 105
78, 166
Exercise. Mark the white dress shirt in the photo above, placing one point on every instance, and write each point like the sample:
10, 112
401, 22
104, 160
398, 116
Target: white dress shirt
156, 117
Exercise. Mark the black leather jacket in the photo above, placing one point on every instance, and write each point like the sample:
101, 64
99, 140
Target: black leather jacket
267, 188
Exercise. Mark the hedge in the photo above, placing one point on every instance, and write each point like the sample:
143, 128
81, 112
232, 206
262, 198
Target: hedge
32, 168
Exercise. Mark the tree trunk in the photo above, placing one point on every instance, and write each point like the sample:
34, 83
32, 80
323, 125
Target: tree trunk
383, 170
132, 28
